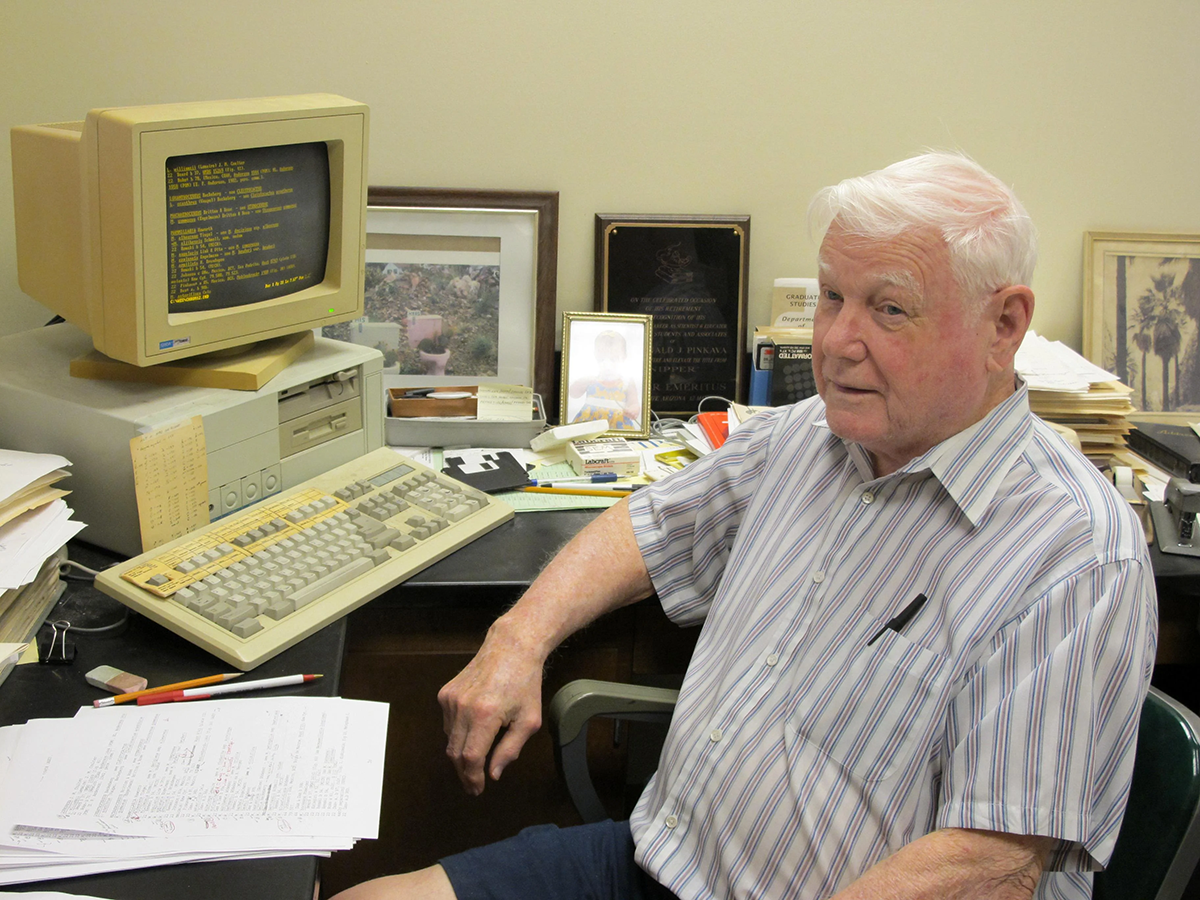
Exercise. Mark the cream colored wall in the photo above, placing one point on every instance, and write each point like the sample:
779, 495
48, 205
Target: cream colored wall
1090, 108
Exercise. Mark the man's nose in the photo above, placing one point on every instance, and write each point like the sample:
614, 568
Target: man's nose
844, 336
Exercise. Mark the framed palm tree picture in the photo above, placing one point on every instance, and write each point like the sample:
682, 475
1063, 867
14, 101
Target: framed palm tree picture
1141, 317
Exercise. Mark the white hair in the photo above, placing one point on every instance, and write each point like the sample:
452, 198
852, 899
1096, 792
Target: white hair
989, 235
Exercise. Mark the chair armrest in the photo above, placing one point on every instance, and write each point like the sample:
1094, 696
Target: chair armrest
575, 704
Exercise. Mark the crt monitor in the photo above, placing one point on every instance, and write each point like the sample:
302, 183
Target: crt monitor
173, 230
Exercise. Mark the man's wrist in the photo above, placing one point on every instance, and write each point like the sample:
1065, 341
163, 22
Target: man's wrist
521, 638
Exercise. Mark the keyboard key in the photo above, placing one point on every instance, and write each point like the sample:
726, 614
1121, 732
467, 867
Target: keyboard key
247, 627
330, 582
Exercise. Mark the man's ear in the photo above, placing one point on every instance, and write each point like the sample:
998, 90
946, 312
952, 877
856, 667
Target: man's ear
1010, 310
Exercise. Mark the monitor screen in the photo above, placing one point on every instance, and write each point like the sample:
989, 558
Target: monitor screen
245, 226
175, 230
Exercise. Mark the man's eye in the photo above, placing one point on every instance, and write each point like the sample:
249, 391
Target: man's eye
891, 309
831, 295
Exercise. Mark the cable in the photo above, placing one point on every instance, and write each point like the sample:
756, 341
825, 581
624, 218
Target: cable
89, 576
700, 406
71, 564
103, 628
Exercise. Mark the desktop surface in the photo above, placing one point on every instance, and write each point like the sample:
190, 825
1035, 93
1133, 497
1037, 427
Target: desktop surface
507, 558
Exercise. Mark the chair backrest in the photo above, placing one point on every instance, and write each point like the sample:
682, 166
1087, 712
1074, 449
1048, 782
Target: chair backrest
1159, 843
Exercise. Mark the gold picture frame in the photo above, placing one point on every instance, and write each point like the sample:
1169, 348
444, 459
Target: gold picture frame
606, 371
1141, 317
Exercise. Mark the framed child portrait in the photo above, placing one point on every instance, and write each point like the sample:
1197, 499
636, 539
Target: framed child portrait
606, 371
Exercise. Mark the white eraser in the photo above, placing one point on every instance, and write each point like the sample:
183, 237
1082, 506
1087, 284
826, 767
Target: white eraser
564, 434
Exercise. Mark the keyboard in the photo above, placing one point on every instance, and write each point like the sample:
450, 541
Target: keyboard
254, 583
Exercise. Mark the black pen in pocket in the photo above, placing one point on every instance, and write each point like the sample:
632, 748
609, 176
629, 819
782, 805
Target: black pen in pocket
900, 619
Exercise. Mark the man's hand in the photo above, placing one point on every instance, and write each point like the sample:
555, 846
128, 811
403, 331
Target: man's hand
500, 689
600, 570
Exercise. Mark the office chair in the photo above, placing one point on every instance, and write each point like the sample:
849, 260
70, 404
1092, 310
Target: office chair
1156, 851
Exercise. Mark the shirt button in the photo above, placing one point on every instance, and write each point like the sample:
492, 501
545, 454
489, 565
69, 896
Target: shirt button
772, 658
671, 821
867, 498
715, 735
818, 576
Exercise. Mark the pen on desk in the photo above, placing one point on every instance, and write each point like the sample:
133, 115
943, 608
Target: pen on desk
588, 479
900, 619
597, 491
574, 486
203, 693
178, 686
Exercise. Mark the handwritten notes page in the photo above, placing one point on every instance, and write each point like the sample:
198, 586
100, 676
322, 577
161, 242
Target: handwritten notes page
170, 478
129, 786
504, 402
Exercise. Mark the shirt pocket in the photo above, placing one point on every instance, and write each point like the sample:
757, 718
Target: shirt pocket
870, 709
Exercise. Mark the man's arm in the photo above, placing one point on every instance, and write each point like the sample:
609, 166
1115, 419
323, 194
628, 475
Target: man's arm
600, 570
957, 864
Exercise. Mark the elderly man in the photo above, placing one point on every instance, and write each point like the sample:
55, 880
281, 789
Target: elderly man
929, 623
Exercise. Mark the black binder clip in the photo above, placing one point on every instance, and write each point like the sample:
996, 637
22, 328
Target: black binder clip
59, 651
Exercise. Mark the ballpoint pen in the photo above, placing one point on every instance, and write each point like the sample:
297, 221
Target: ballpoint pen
613, 486
163, 688
203, 693
900, 619
583, 479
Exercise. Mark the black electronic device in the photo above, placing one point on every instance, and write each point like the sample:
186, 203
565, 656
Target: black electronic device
1175, 526
1174, 447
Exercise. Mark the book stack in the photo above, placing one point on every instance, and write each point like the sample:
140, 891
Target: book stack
1068, 390
23, 609
34, 519
35, 525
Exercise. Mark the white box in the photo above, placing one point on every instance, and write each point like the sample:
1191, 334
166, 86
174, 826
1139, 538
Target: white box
608, 456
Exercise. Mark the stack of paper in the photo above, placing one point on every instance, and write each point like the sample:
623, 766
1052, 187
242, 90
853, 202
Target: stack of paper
132, 787
34, 519
1068, 389
23, 610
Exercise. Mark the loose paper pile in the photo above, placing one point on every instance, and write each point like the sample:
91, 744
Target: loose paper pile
131, 787
34, 519
1068, 389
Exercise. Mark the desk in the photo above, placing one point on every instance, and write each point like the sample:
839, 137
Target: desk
142, 647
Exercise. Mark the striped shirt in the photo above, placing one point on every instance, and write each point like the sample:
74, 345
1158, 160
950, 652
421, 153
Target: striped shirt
802, 751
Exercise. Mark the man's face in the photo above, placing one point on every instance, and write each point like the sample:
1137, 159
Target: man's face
899, 359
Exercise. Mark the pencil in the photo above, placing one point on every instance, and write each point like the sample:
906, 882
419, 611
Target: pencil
179, 686
576, 492
201, 693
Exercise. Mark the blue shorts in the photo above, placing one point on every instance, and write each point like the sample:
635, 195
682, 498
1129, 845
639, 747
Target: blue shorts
587, 862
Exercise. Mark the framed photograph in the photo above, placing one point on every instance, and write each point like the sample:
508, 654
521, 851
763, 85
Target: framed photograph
691, 273
460, 287
606, 371
1141, 317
